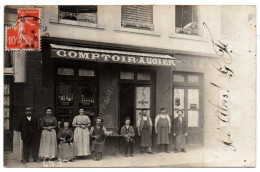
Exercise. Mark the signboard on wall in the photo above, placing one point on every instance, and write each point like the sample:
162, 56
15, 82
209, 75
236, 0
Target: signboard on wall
109, 56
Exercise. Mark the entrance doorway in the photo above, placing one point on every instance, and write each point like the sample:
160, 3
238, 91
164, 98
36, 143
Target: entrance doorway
127, 103
133, 99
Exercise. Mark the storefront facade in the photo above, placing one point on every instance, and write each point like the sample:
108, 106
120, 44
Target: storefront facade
106, 69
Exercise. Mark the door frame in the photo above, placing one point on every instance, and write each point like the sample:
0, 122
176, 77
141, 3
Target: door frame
185, 85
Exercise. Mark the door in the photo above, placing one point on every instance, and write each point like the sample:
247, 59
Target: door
126, 103
188, 96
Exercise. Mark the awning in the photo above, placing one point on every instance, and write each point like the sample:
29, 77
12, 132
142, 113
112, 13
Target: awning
110, 56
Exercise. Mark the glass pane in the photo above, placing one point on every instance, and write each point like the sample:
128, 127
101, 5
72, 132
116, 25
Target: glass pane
139, 115
193, 99
6, 124
178, 97
193, 118
86, 72
65, 71
86, 96
63, 112
6, 101
66, 94
142, 97
126, 75
178, 78
143, 76
6, 89
186, 19
6, 112
193, 78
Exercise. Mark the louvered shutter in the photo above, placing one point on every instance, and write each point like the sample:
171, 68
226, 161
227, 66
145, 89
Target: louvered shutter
137, 16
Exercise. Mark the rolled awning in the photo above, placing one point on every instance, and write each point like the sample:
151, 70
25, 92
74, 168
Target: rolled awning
110, 56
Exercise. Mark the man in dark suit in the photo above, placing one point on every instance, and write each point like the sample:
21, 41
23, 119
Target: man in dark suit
29, 127
180, 132
128, 133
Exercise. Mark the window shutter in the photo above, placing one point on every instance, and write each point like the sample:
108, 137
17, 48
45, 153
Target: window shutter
229, 25
139, 16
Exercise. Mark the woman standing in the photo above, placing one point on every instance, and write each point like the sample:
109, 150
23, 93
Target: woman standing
81, 134
163, 129
65, 135
48, 144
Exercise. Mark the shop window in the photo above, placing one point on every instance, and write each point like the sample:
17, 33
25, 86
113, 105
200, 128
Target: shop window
79, 13
66, 94
137, 16
186, 19
187, 97
86, 72
66, 71
127, 75
178, 78
143, 101
6, 106
143, 76
193, 78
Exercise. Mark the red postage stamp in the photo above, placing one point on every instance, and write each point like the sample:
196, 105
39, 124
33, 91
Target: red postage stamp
25, 34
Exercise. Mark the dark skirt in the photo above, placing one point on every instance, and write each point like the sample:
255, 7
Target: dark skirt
97, 146
146, 138
180, 142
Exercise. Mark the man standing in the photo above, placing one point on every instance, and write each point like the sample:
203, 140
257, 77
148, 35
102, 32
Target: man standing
180, 132
29, 133
144, 127
163, 129
98, 133
128, 133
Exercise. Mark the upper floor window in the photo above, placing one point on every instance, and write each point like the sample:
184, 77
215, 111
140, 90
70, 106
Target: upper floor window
79, 13
186, 19
137, 16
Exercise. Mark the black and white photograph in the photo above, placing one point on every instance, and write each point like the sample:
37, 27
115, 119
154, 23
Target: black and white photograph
129, 85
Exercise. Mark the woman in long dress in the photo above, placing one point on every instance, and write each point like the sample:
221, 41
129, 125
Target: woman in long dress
81, 134
65, 135
48, 145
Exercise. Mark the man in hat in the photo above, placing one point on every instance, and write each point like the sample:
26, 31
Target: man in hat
29, 127
128, 133
144, 127
180, 132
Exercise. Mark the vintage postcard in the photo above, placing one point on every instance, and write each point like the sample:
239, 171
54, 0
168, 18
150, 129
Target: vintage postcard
129, 85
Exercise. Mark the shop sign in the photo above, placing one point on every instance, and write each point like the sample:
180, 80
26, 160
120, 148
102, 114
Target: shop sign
112, 58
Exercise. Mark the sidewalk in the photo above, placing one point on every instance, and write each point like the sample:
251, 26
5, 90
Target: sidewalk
195, 157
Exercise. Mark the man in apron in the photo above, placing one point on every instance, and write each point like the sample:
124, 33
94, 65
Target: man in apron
144, 127
163, 129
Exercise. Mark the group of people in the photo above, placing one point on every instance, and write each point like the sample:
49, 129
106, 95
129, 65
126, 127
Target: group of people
69, 143
163, 131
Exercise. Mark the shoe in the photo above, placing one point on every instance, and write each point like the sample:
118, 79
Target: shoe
126, 155
142, 152
132, 155
38, 161
183, 150
150, 152
167, 151
24, 162
176, 151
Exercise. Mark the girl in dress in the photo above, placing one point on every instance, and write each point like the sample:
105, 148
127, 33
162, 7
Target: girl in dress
65, 136
81, 123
